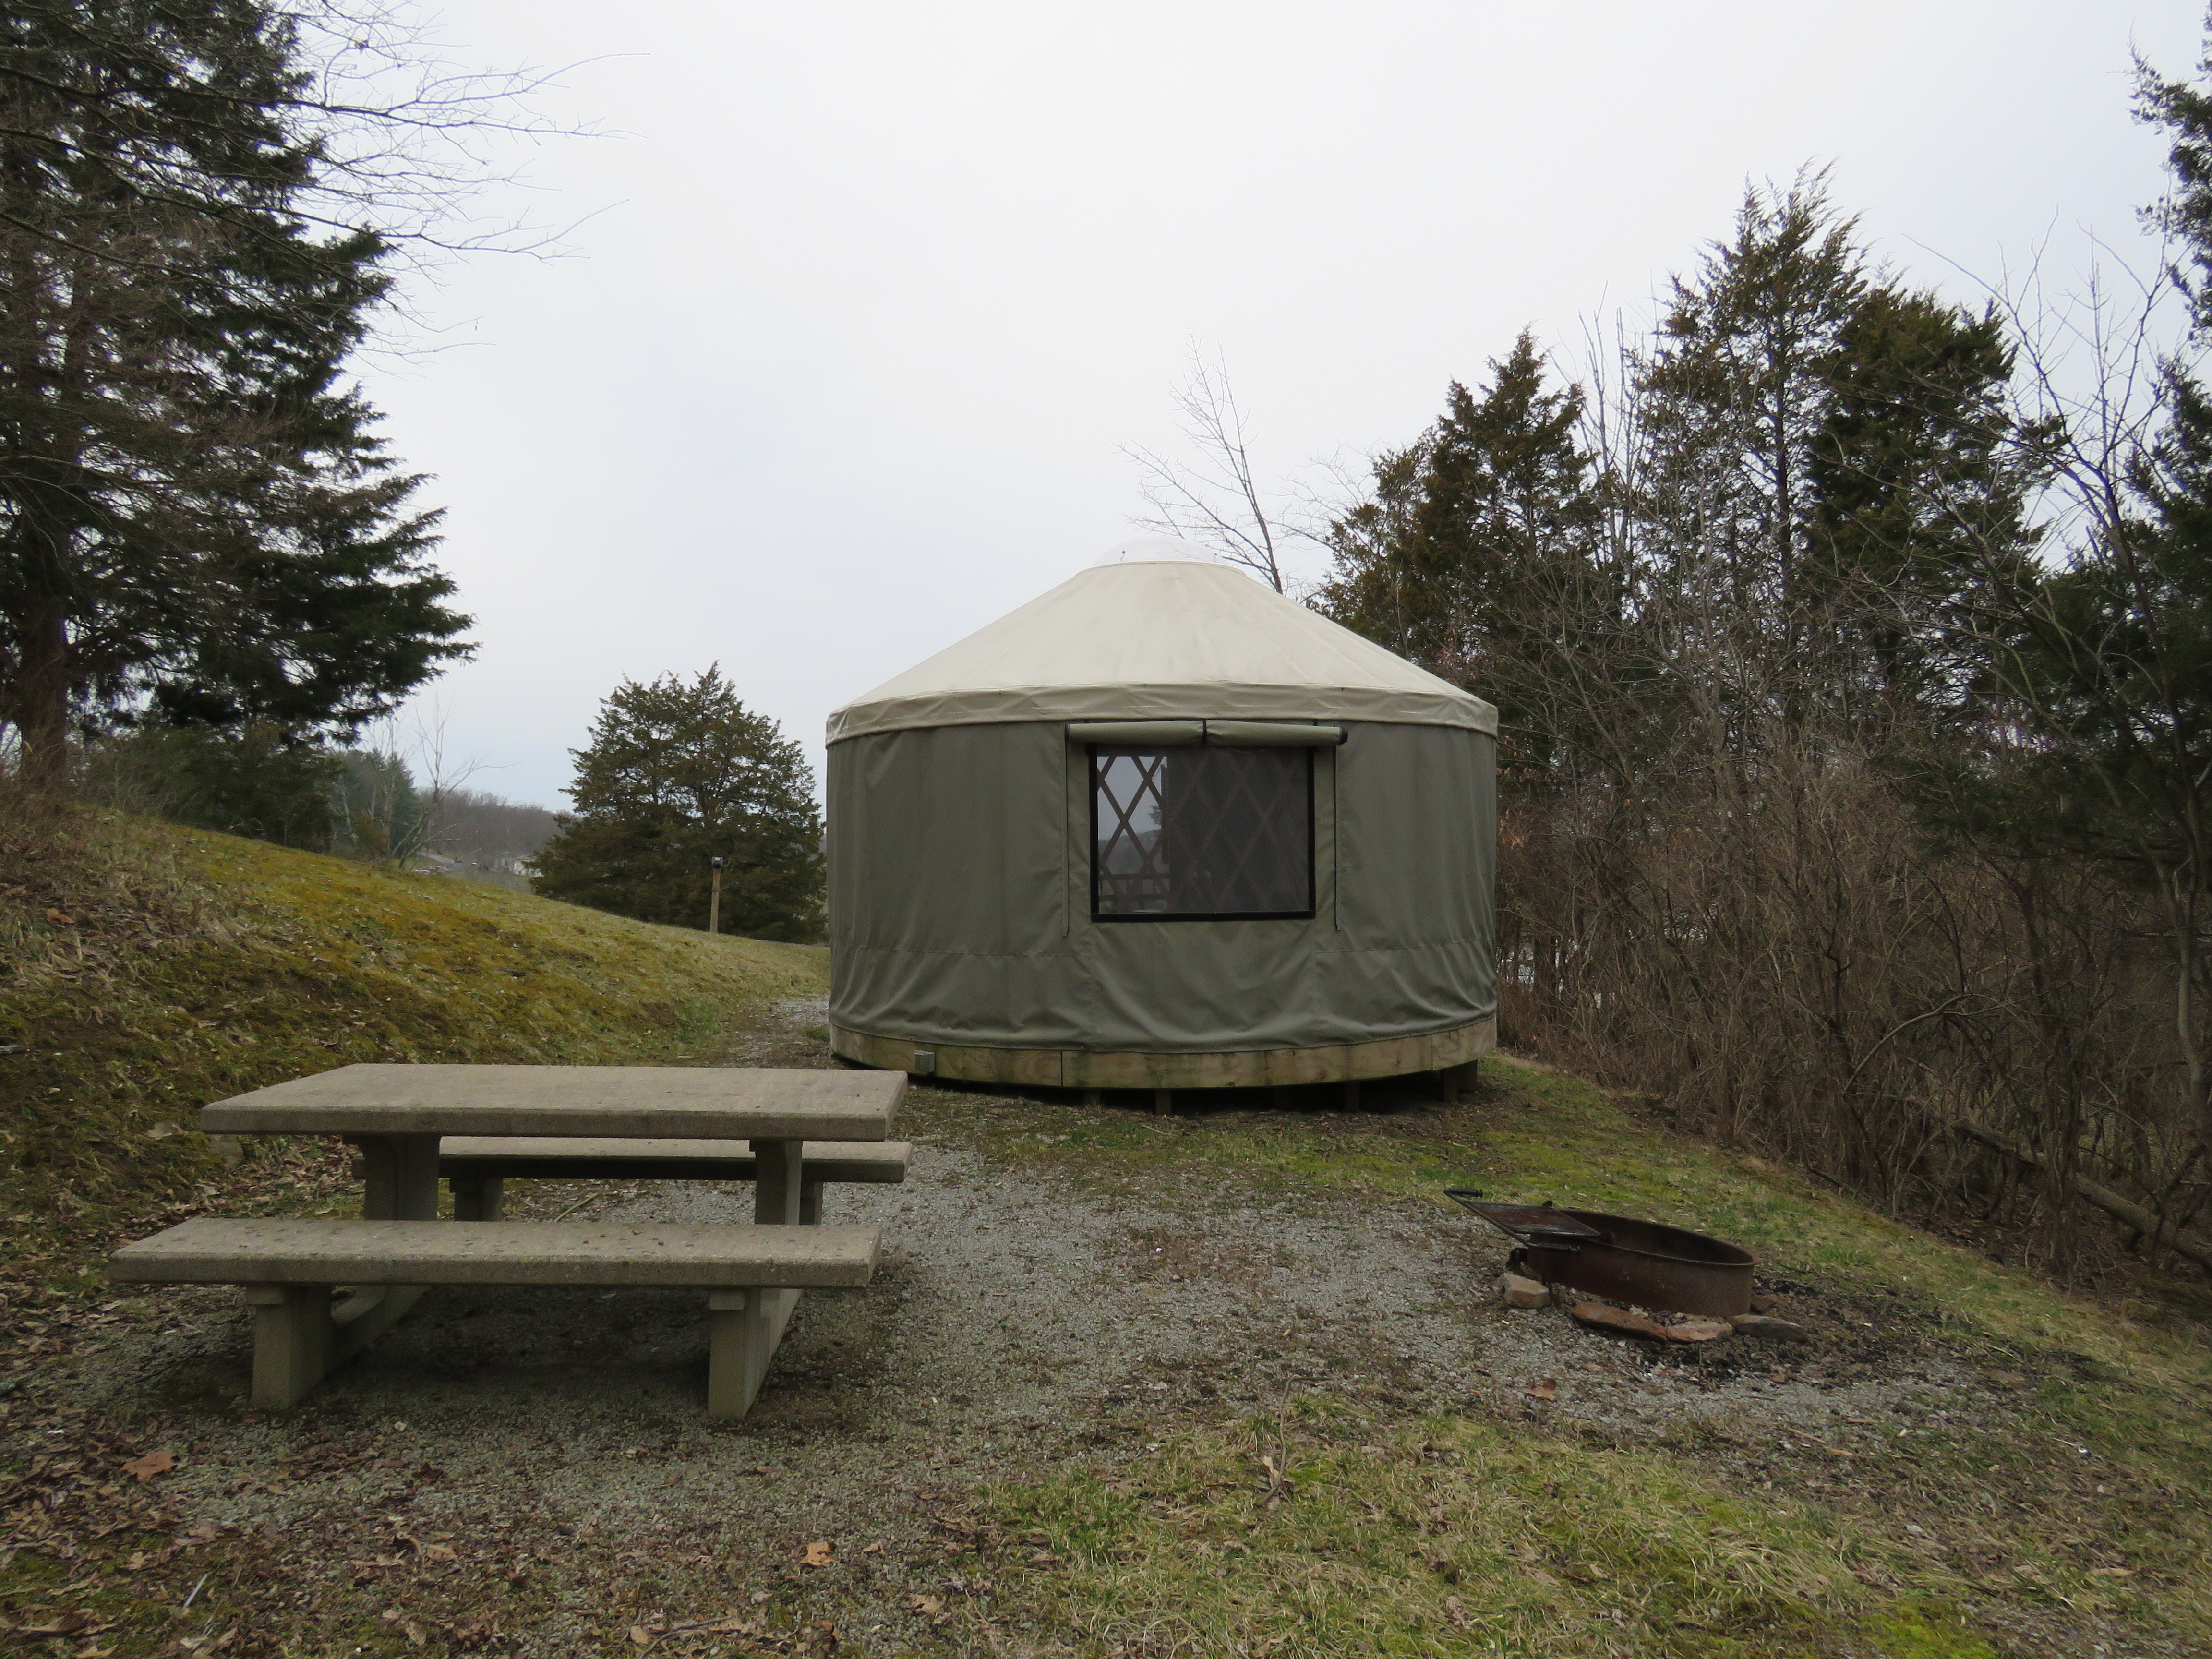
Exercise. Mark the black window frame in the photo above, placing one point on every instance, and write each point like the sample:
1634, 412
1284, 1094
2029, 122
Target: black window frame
1090, 758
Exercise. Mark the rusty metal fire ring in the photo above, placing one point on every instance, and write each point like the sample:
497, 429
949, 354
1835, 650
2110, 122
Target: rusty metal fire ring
1620, 1257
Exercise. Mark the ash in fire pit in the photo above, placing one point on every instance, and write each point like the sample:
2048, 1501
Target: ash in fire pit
1621, 1259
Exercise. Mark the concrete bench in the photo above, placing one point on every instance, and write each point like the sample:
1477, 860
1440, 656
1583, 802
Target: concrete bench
479, 1165
752, 1276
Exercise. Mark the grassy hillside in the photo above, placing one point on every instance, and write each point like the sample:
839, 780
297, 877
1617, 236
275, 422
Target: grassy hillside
147, 970
1965, 1462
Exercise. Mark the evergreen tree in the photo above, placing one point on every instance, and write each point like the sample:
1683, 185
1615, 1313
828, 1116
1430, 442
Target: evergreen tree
251, 780
2108, 673
196, 516
675, 775
1476, 556
1831, 480
1920, 482
1735, 401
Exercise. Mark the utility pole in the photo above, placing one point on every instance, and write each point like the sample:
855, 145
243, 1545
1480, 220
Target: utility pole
715, 904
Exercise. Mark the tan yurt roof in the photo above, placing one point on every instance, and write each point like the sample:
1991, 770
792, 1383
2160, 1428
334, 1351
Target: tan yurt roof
1157, 629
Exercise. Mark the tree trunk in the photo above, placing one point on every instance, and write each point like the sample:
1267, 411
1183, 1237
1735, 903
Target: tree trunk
40, 710
2155, 1228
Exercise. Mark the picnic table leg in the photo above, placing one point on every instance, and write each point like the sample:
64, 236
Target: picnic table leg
744, 1327
399, 1183
478, 1197
399, 1177
778, 1177
293, 1341
780, 1195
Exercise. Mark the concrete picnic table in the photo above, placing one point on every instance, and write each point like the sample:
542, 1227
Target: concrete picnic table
397, 1115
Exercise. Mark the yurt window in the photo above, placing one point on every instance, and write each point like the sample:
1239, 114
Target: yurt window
1196, 833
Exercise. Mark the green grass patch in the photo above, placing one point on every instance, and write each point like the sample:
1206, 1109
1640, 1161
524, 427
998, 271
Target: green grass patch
168, 968
1314, 1534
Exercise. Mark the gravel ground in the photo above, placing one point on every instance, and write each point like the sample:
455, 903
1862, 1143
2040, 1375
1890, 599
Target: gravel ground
546, 1445
1016, 1323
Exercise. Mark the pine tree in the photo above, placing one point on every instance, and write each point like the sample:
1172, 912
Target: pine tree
1832, 480
677, 773
2108, 672
1476, 555
196, 520
1920, 482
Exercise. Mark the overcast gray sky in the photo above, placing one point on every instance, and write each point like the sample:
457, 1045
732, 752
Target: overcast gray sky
872, 294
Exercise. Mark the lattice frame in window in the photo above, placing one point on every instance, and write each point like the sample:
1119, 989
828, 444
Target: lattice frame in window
1201, 834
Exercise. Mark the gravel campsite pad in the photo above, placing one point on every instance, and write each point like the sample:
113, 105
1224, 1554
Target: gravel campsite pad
526, 1471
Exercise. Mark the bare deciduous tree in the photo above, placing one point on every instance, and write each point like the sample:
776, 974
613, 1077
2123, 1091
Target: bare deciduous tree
1212, 499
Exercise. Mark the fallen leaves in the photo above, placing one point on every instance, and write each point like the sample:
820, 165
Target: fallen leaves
70, 1621
415, 1633
730, 1624
816, 1554
142, 1469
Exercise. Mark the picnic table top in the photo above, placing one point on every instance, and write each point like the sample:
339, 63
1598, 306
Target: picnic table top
695, 1102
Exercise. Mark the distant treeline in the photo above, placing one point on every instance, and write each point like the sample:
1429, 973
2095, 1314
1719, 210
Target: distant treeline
363, 802
487, 832
1853, 655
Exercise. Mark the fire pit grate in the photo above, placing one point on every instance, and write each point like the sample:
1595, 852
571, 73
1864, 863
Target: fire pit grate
1622, 1258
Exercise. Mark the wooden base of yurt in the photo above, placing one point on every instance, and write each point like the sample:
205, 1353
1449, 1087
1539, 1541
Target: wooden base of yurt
1251, 1068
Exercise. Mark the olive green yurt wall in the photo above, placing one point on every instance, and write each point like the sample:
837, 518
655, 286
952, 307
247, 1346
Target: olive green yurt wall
1163, 827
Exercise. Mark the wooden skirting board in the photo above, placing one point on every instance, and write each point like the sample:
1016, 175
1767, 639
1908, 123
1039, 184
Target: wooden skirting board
1253, 1068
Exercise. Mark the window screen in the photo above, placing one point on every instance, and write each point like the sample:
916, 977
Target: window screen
1198, 832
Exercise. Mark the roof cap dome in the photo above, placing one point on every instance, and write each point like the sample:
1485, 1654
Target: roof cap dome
1158, 629
1153, 549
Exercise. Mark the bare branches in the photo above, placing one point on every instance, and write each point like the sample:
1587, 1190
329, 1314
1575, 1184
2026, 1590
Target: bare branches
412, 780
1214, 500
2093, 355
410, 138
398, 141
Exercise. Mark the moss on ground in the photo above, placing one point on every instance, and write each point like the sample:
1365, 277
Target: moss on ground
1311, 1534
153, 969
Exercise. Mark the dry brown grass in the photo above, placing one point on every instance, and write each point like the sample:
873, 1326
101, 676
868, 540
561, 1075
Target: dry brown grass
149, 969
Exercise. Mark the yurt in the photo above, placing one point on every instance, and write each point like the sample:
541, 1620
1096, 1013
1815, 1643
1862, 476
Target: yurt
1161, 828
